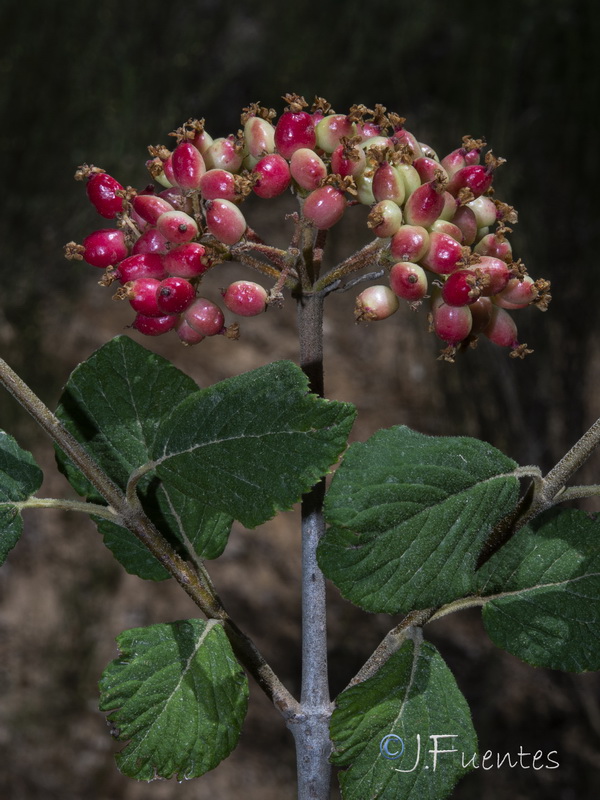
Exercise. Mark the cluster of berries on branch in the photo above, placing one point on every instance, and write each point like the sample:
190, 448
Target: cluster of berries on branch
437, 230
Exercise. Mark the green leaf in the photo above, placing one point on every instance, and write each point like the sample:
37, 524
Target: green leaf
179, 698
409, 515
20, 477
252, 444
114, 404
392, 730
545, 587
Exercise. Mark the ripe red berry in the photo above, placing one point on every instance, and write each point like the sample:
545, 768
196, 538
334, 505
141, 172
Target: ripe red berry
375, 303
245, 298
348, 159
272, 176
475, 177
451, 324
225, 221
294, 129
497, 272
219, 183
429, 168
150, 206
177, 226
187, 260
154, 326
187, 334
502, 329
464, 218
425, 204
151, 241
141, 294
307, 169
518, 293
102, 191
443, 253
105, 247
388, 184
462, 288
409, 243
140, 265
324, 207
408, 281
205, 317
174, 295
188, 166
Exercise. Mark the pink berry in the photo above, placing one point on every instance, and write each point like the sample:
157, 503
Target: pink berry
324, 207
388, 184
375, 303
409, 243
272, 176
385, 218
177, 226
105, 247
429, 168
331, 129
502, 329
225, 221
219, 183
307, 169
464, 218
449, 228
177, 199
481, 311
141, 294
174, 295
150, 206
259, 136
151, 241
475, 177
443, 253
204, 316
517, 293
187, 334
402, 136
425, 204
485, 211
245, 298
102, 191
224, 153
348, 159
188, 260
188, 166
408, 281
497, 272
154, 326
495, 245
452, 324
294, 129
140, 265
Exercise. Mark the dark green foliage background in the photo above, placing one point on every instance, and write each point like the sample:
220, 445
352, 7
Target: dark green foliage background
98, 81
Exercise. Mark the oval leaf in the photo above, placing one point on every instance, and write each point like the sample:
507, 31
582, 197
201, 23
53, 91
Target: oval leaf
252, 444
180, 699
546, 587
20, 477
405, 733
409, 514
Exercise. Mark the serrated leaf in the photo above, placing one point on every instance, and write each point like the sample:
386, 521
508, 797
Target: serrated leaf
114, 404
252, 444
179, 698
405, 733
546, 582
20, 477
409, 514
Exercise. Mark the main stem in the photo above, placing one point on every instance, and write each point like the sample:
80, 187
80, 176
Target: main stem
311, 727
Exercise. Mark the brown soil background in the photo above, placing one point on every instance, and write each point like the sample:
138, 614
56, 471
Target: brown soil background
63, 598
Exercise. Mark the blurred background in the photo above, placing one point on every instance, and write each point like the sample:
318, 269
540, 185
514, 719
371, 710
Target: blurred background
98, 82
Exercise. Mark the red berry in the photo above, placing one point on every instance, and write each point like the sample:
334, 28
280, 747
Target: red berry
177, 226
464, 218
174, 295
375, 303
481, 311
502, 329
388, 184
294, 129
475, 177
461, 288
140, 265
101, 190
154, 326
187, 334
496, 245
188, 166
151, 241
402, 136
187, 260
348, 159
141, 294
517, 293
307, 169
408, 281
150, 206
497, 272
245, 298
225, 221
425, 204
105, 247
429, 168
324, 207
409, 243
451, 323
272, 176
204, 317
443, 253
219, 183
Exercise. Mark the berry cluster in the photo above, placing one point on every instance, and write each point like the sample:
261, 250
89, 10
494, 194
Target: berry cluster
433, 222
